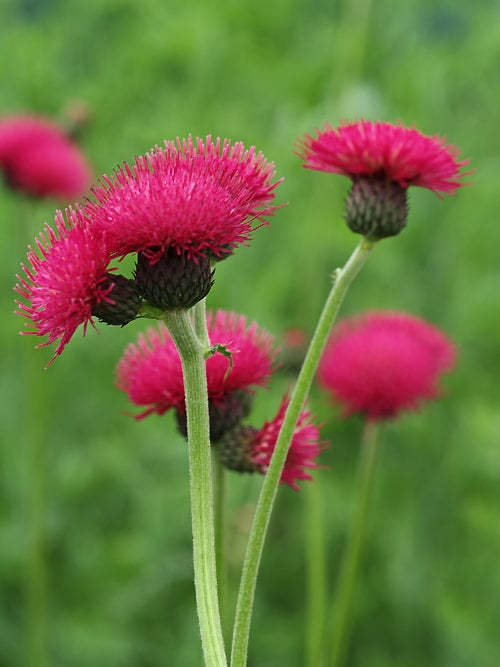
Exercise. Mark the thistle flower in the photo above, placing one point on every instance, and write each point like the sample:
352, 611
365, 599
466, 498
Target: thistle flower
382, 160
68, 282
150, 371
181, 207
382, 363
39, 159
248, 449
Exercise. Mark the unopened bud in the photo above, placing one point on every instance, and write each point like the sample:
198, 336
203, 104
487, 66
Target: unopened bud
235, 449
122, 302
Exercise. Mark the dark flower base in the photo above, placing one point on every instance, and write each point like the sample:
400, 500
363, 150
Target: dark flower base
376, 208
126, 301
235, 449
175, 280
224, 415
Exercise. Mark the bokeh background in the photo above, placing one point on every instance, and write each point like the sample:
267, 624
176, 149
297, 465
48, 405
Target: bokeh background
104, 498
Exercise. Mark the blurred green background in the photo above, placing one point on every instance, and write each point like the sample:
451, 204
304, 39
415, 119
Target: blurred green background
112, 493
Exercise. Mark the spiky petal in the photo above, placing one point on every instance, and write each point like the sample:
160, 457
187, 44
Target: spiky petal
386, 152
248, 449
66, 276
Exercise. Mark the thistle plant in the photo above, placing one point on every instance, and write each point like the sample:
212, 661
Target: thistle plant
179, 210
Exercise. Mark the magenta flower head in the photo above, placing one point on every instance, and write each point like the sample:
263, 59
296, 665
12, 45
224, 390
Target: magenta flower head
382, 160
38, 158
68, 282
248, 449
150, 371
181, 206
382, 363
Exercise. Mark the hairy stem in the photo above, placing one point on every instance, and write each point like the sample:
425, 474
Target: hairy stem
191, 352
343, 279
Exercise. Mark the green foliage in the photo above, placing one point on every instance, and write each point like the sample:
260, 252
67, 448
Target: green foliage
117, 540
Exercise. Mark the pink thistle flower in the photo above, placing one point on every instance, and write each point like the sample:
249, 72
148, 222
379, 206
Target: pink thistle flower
384, 151
39, 159
67, 278
150, 371
247, 449
382, 160
304, 449
193, 196
382, 363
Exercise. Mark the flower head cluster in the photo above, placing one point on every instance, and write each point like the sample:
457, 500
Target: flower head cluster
39, 159
382, 160
382, 363
150, 371
178, 208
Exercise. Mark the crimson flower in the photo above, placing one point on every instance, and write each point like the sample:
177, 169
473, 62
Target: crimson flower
150, 371
382, 160
181, 208
68, 281
193, 196
385, 151
382, 363
248, 449
39, 159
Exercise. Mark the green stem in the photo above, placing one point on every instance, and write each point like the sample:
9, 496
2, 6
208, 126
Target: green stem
191, 353
37, 563
350, 561
315, 573
200, 323
343, 279
220, 530
150, 312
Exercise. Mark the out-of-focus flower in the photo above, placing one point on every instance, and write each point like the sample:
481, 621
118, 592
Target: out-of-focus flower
38, 158
382, 363
68, 282
150, 371
382, 160
78, 114
295, 338
248, 449
294, 349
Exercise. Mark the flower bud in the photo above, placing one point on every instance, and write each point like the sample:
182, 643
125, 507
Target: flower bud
235, 449
121, 304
